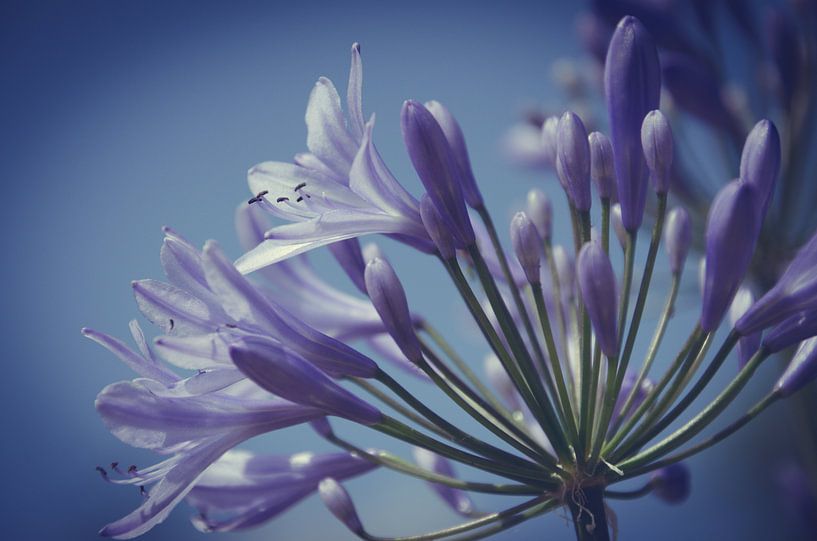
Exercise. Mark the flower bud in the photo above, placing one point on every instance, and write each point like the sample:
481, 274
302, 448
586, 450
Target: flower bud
597, 283
801, 370
793, 329
677, 238
602, 169
760, 161
371, 251
436, 228
349, 256
458, 500
527, 245
573, 160
337, 500
456, 140
656, 140
731, 233
284, 373
431, 156
632, 84
389, 299
618, 226
749, 344
541, 213
795, 291
671, 483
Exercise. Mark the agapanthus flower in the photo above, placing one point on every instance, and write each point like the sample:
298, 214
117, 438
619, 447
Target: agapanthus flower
563, 410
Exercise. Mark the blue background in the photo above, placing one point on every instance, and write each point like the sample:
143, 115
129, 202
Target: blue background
118, 118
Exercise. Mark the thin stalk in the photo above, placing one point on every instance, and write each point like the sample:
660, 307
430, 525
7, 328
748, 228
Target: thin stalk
585, 424
399, 408
700, 421
603, 420
605, 224
629, 494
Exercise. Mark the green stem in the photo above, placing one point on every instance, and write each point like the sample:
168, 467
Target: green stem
399, 408
585, 424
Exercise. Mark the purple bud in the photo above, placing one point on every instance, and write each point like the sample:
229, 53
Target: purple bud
801, 370
618, 226
749, 344
573, 160
597, 283
453, 134
371, 251
632, 83
322, 427
760, 161
731, 233
527, 245
550, 129
540, 213
348, 254
337, 500
671, 483
432, 159
795, 291
656, 140
435, 227
389, 299
602, 169
284, 373
457, 499
791, 330
677, 238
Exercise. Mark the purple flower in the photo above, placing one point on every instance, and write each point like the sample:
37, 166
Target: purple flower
527, 245
749, 344
437, 229
731, 233
656, 140
671, 484
597, 282
389, 299
602, 168
540, 213
802, 369
242, 490
282, 372
337, 500
432, 158
573, 160
793, 329
456, 140
677, 238
760, 161
795, 291
632, 84
458, 500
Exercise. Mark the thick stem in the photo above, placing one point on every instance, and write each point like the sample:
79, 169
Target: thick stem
589, 516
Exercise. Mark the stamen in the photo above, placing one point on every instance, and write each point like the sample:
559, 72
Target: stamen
102, 472
299, 186
172, 324
142, 491
231, 325
299, 199
132, 469
115, 467
258, 197
282, 199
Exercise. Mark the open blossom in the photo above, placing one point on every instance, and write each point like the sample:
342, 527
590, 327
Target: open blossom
569, 409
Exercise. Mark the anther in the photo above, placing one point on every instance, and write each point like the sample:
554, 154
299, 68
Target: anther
299, 199
282, 199
299, 186
102, 472
172, 324
231, 325
132, 469
115, 467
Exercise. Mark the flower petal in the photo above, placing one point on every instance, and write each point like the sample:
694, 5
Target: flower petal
327, 136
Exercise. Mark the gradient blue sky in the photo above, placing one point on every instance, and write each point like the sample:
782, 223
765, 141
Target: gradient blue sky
120, 117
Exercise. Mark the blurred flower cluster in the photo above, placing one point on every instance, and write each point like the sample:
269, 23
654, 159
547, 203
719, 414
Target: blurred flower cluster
564, 409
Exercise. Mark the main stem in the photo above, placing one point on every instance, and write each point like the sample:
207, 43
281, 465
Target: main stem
589, 516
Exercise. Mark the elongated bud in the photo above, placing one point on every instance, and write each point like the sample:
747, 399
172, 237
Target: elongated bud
573, 160
540, 213
795, 291
527, 245
801, 370
597, 283
431, 156
389, 299
793, 329
677, 238
337, 500
348, 254
550, 130
731, 233
456, 140
632, 84
749, 344
671, 484
618, 225
656, 140
760, 161
456, 499
437, 229
602, 169
284, 373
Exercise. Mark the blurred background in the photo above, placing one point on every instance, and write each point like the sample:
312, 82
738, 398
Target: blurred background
118, 118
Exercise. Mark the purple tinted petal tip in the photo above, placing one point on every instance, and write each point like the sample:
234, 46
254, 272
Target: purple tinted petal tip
389, 299
656, 141
338, 501
597, 282
573, 160
527, 245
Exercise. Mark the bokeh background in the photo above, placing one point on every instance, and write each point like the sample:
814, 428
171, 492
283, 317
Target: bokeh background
119, 117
